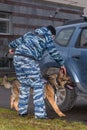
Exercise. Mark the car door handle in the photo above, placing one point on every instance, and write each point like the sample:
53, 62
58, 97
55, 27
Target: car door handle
76, 57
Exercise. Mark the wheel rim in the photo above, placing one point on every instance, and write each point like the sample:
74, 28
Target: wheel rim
60, 96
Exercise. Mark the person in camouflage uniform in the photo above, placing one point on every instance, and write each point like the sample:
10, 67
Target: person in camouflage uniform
28, 50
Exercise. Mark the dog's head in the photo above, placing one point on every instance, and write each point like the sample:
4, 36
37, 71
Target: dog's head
64, 80
59, 80
4, 79
5, 82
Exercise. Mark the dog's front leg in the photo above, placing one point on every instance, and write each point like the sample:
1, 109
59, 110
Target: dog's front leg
12, 101
50, 97
16, 105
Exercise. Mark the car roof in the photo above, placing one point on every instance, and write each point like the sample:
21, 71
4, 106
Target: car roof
83, 24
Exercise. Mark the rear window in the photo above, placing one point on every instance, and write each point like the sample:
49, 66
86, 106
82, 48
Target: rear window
63, 37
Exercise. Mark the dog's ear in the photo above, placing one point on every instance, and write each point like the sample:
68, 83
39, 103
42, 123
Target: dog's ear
60, 75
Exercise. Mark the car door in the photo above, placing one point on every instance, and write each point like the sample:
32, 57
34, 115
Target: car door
78, 55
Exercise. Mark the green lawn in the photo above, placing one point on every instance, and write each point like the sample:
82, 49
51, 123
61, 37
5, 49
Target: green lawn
9, 120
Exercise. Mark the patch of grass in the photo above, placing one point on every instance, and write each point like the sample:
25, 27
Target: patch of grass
9, 120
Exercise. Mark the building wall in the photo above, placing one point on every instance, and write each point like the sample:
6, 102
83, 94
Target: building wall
79, 3
26, 15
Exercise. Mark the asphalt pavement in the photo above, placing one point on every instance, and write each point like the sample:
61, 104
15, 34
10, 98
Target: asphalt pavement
77, 113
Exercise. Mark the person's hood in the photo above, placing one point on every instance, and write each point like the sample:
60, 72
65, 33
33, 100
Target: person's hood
43, 31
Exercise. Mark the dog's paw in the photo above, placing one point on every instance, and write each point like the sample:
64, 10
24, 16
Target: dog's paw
62, 114
16, 105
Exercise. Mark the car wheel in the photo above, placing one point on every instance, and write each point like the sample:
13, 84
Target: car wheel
64, 97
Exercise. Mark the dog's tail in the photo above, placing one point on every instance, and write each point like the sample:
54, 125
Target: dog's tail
7, 84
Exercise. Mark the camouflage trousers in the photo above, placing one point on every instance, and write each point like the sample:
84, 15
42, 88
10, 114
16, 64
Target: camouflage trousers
29, 75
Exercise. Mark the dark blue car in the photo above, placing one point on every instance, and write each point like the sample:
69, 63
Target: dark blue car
71, 41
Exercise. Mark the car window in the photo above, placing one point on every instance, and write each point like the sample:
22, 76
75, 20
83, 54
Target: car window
83, 38
63, 37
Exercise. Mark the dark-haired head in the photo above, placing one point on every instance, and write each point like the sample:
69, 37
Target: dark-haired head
52, 29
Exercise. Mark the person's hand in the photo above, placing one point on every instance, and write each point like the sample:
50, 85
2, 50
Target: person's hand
63, 69
11, 51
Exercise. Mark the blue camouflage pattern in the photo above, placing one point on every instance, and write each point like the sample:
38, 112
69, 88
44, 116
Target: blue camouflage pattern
36, 44
29, 75
28, 70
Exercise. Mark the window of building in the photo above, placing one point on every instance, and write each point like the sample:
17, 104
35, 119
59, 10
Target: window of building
5, 26
4, 23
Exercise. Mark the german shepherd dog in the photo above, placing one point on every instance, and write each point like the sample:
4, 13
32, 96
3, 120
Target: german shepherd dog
55, 80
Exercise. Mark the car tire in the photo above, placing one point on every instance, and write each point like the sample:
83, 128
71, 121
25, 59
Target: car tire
67, 96
69, 100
